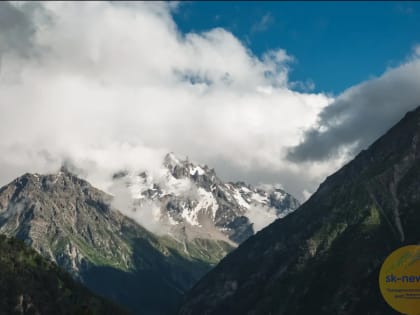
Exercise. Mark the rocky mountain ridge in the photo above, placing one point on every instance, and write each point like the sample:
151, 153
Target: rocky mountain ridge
194, 199
73, 224
325, 257
79, 227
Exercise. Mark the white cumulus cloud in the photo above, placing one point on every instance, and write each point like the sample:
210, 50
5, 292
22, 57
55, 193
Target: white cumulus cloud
114, 86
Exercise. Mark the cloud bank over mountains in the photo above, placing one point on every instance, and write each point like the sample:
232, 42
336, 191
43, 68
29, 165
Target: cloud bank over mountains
111, 86
362, 113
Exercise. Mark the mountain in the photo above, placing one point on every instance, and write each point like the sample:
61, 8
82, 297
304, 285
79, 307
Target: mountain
73, 224
325, 257
30, 284
191, 200
192, 220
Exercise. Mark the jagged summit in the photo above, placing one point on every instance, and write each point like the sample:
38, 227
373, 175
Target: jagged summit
180, 167
65, 169
170, 160
193, 198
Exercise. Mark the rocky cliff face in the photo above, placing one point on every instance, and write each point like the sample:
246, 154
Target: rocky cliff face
64, 218
191, 198
72, 223
325, 257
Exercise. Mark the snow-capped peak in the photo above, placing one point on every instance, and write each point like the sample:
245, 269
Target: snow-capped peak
191, 195
170, 160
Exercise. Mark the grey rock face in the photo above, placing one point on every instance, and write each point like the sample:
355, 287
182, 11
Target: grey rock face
193, 196
72, 224
63, 216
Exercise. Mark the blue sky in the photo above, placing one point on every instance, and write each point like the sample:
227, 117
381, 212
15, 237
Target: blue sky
335, 44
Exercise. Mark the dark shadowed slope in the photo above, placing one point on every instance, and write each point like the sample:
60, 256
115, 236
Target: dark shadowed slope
30, 284
325, 257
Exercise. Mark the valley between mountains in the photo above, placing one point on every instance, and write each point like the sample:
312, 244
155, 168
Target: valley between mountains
208, 255
194, 220
210, 247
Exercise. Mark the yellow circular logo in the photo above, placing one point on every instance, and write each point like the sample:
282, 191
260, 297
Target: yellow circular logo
399, 280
